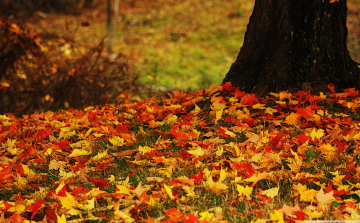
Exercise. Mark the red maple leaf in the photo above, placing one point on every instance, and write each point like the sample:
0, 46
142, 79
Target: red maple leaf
191, 218
35, 207
42, 134
123, 128
100, 182
302, 138
79, 190
250, 99
174, 214
300, 215
50, 215
306, 112
92, 116
62, 192
198, 178
275, 141
249, 121
148, 220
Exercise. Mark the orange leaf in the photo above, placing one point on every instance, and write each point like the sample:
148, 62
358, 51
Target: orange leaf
249, 99
256, 177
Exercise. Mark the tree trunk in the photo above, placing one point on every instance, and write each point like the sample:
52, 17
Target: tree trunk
295, 44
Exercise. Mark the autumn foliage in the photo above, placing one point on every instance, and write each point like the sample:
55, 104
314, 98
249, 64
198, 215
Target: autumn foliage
216, 155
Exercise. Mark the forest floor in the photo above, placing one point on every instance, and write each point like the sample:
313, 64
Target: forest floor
184, 45
214, 155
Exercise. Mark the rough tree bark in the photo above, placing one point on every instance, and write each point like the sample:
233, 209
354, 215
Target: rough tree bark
292, 44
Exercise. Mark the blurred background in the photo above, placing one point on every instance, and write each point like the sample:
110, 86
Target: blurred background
59, 54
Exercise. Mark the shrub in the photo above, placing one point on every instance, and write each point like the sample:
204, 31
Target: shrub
40, 71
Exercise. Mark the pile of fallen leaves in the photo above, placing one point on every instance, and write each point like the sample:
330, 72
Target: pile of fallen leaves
216, 155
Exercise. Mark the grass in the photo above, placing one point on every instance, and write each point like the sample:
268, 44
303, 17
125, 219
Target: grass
184, 45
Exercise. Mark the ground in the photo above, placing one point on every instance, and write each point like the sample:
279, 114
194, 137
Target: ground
184, 45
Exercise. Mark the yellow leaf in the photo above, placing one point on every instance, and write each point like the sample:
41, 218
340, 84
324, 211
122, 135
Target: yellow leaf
216, 187
270, 111
288, 210
196, 110
218, 115
223, 175
293, 102
217, 105
343, 187
297, 160
206, 215
69, 201
244, 190
256, 158
169, 192
157, 179
74, 212
95, 192
317, 134
90, 204
66, 175
122, 189
217, 210
227, 132
328, 150
357, 136
171, 119
259, 221
258, 106
256, 177
79, 152
324, 200
271, 192
292, 119
98, 134
111, 178
213, 88
66, 132
145, 149
277, 216
26, 169
184, 180
338, 179
117, 141
81, 144
101, 156
197, 152
153, 201
281, 102
284, 95
139, 189
308, 196
190, 191
166, 171
21, 182
313, 212
61, 185
153, 124
219, 151
86, 135
61, 219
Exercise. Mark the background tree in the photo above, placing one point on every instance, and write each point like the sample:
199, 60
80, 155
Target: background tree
293, 44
